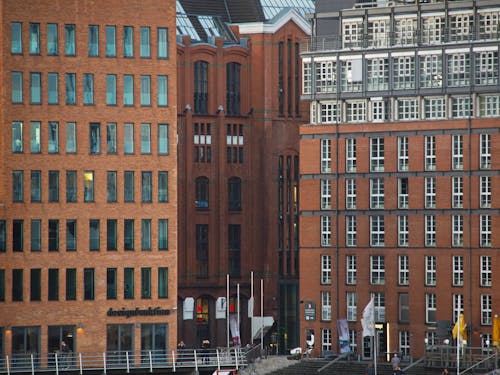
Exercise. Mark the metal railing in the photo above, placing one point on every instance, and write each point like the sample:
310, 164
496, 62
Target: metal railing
124, 361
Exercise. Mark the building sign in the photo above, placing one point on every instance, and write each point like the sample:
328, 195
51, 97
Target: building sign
150, 311
310, 311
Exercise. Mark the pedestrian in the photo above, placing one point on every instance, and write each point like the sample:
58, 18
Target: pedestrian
445, 371
180, 349
64, 355
395, 361
397, 371
370, 370
205, 346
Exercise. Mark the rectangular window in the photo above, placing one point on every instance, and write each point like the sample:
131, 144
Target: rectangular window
457, 230
111, 192
326, 340
484, 151
326, 306
128, 186
430, 230
356, 111
377, 154
111, 89
17, 285
36, 186
70, 40
146, 234
408, 109
128, 283
162, 91
53, 88
128, 234
162, 43
36, 235
53, 186
35, 133
163, 139
458, 306
485, 230
326, 269
376, 193
350, 193
350, 223
457, 191
17, 186
52, 39
486, 309
145, 283
430, 270
431, 71
128, 41
128, 90
377, 230
430, 308
404, 308
16, 41
457, 155
70, 137
111, 234
88, 88
71, 183
34, 39
17, 136
53, 234
35, 284
70, 88
145, 90
110, 41
403, 187
145, 138
350, 155
430, 192
71, 284
128, 138
434, 108
147, 187
458, 270
17, 235
162, 234
379, 307
35, 88
111, 138
461, 107
53, 137
351, 270
326, 156
94, 235
326, 230
485, 270
404, 72
88, 284
403, 153
111, 283
352, 309
377, 270
53, 294
329, 112
404, 270
71, 235
326, 194
3, 236
162, 282
403, 230
93, 40
430, 153
202, 246
17, 87
459, 69
88, 186
2, 285
489, 105
145, 44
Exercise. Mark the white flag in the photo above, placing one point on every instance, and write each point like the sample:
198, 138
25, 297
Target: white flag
368, 320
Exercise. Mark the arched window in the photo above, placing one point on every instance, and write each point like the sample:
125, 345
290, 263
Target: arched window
233, 89
201, 87
202, 193
234, 193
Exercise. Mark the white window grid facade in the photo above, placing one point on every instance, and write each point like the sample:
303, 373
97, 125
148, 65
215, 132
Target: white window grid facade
458, 270
431, 338
434, 108
350, 193
430, 307
487, 68
350, 155
432, 28
431, 71
352, 308
486, 315
406, 31
377, 230
356, 111
379, 302
485, 270
403, 230
379, 31
350, 227
326, 231
489, 23
430, 270
461, 107
326, 194
326, 80
326, 156
457, 190
485, 191
352, 75
326, 340
489, 105
430, 230
403, 156
457, 227
352, 33
430, 152
457, 152
376, 193
329, 112
404, 72
459, 70
404, 308
430, 192
461, 26
326, 269
404, 270
351, 270
377, 154
403, 193
377, 270
486, 340
353, 340
379, 110
485, 230
484, 151
326, 305
408, 109
306, 77
377, 74
458, 305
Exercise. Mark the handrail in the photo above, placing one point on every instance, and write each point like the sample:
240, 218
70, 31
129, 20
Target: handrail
413, 364
491, 356
342, 356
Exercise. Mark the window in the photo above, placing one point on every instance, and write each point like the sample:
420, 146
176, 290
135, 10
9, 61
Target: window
350, 193
326, 269
489, 105
404, 308
485, 270
457, 152
53, 88
356, 111
146, 234
88, 186
162, 186
71, 235
352, 75
431, 71
145, 46
162, 43
145, 283
34, 39
430, 308
461, 107
457, 192
234, 142
430, 153
36, 186
352, 34
128, 41
17, 87
202, 142
128, 90
128, 138
202, 250
16, 42
88, 88
111, 147
163, 139
3, 236
70, 88
162, 282
93, 40
112, 234
457, 230
145, 90
70, 137
376, 193
378, 74
233, 89
128, 186
326, 340
352, 309
36, 235
17, 285
377, 154
128, 234
430, 230
485, 230
379, 110
53, 186
404, 270
379, 306
234, 249
486, 68
17, 136
353, 341
326, 306
326, 194
408, 109
430, 192
484, 151
458, 270
433, 28
201, 87
234, 193
403, 153
71, 186
350, 223
145, 138
128, 283
111, 283
88, 284
377, 230
53, 137
17, 186
377, 270
111, 89
71, 284
404, 72
147, 187
329, 112
430, 270
461, 26
403, 230
162, 234
434, 108
110, 41
458, 306
325, 76
95, 138
17, 235
486, 308
162, 82
488, 22
458, 70
35, 284
403, 187
53, 294
69, 40
351, 270
202, 197
326, 156
94, 235
35, 88
326, 230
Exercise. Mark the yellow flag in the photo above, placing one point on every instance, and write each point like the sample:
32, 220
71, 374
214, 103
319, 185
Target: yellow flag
496, 331
460, 324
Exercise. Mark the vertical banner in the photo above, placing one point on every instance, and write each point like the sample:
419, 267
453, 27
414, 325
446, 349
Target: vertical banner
235, 329
343, 332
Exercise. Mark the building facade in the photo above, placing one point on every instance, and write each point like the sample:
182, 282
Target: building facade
399, 171
88, 199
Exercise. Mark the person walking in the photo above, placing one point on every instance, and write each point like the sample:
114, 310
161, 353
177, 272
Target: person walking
64, 355
395, 360
370, 370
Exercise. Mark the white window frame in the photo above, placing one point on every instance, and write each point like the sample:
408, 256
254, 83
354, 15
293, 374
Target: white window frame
430, 308
457, 152
350, 155
457, 309
430, 270
377, 231
356, 111
326, 76
379, 299
430, 231
458, 270
486, 310
329, 113
404, 270
306, 77
433, 29
489, 105
378, 110
326, 305
457, 191
485, 271
353, 340
403, 156
403, 230
377, 270
489, 24
351, 270
326, 231
405, 31
485, 230
326, 194
461, 107
430, 152
457, 230
430, 192
352, 309
326, 340
351, 34
377, 148
326, 156
350, 193
484, 191
408, 109
403, 186
377, 193
404, 343
350, 227
404, 72
484, 151
326, 269
434, 108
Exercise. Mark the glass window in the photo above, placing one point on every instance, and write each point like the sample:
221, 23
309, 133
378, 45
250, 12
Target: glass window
69, 40
128, 138
233, 95
34, 38
350, 154
94, 235
145, 45
162, 186
17, 285
3, 236
163, 138
70, 88
326, 269
162, 234
146, 234
111, 147
404, 270
326, 230
201, 87
111, 41
234, 193
71, 137
326, 306
71, 284
162, 43
53, 234
35, 284
128, 283
93, 40
145, 90
145, 282
17, 87
53, 137
35, 147
71, 235
377, 154
128, 41
52, 39
53, 88
128, 234
17, 186
202, 196
162, 91
377, 230
35, 88
95, 138
88, 88
17, 136
17, 235
53, 186
36, 186
88, 284
88, 186
147, 186
36, 235
71, 186
53, 294
16, 41
112, 234
110, 89
128, 186
128, 89
162, 282
111, 186
111, 283
145, 138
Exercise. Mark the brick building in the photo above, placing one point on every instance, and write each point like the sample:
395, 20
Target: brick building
399, 173
88, 198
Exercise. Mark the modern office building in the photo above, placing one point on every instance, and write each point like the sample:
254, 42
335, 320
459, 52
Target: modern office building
399, 173
239, 113
88, 198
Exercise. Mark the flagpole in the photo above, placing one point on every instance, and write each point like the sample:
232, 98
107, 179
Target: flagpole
238, 309
374, 341
458, 336
227, 307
